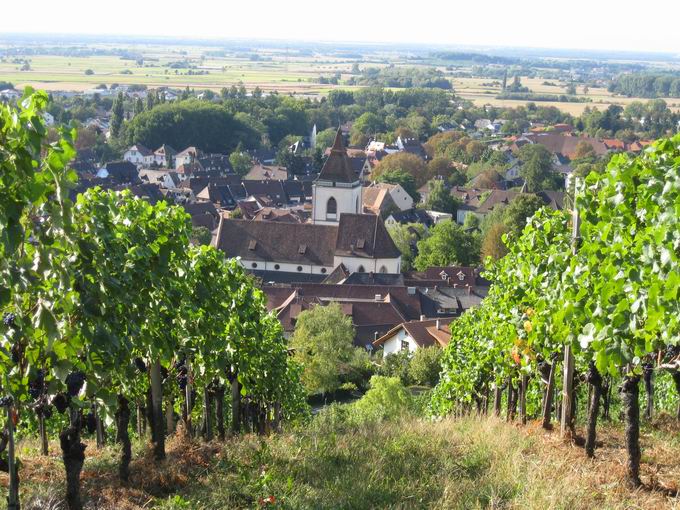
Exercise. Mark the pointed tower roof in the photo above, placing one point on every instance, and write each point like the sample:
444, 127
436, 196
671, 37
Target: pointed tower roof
337, 167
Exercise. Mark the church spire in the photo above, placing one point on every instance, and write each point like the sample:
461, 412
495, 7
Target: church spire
337, 167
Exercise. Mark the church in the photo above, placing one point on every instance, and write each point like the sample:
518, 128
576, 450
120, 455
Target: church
339, 234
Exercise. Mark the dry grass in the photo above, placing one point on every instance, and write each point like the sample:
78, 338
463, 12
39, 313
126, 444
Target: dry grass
413, 463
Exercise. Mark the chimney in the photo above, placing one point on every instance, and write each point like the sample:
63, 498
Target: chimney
422, 318
375, 336
378, 297
437, 324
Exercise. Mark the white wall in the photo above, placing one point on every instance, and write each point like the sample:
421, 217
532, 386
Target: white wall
370, 265
347, 199
285, 267
401, 199
393, 344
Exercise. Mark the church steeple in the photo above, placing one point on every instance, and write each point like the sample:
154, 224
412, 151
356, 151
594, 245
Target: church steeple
338, 189
337, 167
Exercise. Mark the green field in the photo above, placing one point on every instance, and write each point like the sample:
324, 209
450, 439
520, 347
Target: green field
273, 69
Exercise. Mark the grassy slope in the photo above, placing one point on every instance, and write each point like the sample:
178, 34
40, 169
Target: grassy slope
408, 464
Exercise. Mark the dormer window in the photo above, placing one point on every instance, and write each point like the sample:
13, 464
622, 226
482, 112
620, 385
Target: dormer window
461, 275
360, 244
252, 245
443, 275
302, 249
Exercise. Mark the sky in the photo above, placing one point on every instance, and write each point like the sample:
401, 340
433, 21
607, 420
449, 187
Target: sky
573, 24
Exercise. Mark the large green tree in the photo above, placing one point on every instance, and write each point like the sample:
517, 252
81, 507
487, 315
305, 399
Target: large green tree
323, 344
448, 244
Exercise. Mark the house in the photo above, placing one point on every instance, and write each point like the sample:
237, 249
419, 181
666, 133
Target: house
261, 172
216, 164
188, 156
164, 156
412, 146
203, 214
359, 241
411, 216
378, 201
139, 155
121, 172
219, 195
373, 309
413, 335
163, 178
469, 200
400, 198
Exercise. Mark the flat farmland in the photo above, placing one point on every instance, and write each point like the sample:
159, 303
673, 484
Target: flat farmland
270, 69
481, 92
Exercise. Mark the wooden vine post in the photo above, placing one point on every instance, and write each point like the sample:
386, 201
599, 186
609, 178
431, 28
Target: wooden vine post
568, 368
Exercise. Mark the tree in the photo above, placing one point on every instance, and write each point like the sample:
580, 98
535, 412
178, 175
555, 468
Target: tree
406, 162
209, 126
117, 115
440, 198
537, 168
493, 245
240, 161
406, 237
404, 179
571, 89
89, 72
523, 207
425, 366
323, 344
448, 244
201, 236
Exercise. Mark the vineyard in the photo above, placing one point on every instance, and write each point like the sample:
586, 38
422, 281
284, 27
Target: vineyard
109, 315
585, 305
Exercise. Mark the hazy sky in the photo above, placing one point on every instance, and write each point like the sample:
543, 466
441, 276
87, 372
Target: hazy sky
587, 24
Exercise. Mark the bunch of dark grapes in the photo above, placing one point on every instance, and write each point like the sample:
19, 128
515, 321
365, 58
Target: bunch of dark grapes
37, 386
17, 352
8, 319
180, 367
141, 366
90, 422
74, 383
61, 401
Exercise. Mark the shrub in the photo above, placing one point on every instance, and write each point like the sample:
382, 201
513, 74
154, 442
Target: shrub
387, 399
425, 366
396, 365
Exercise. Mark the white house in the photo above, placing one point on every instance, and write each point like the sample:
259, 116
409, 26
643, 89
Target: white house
413, 335
164, 156
139, 155
187, 156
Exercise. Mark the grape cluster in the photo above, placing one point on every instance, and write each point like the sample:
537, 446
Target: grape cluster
6, 401
182, 372
61, 401
139, 363
8, 319
90, 422
37, 386
17, 351
74, 382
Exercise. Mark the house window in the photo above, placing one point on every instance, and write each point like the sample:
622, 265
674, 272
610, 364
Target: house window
254, 264
277, 267
404, 345
331, 209
299, 268
383, 269
361, 269
323, 270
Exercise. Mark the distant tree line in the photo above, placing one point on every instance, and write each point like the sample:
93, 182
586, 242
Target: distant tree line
646, 85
